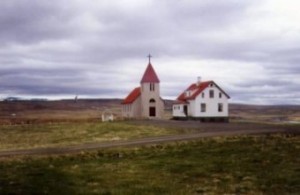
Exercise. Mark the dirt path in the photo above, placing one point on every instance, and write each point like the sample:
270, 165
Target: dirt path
128, 143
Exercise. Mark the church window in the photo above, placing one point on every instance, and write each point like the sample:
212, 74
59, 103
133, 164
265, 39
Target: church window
152, 86
152, 100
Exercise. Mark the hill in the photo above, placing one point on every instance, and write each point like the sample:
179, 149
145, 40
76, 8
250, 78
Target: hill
23, 111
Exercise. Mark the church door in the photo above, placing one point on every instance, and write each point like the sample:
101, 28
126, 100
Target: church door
152, 111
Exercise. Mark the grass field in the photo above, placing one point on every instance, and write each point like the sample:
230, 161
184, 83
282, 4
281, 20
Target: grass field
63, 134
30, 136
236, 165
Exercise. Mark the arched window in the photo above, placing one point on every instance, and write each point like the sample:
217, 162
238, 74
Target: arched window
152, 100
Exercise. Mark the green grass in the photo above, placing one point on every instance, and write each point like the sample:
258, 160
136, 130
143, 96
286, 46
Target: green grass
63, 134
234, 165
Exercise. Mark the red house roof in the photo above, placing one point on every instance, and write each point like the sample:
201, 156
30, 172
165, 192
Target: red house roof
197, 90
150, 76
133, 95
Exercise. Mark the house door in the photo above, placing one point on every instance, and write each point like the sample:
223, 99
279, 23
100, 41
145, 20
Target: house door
185, 110
152, 111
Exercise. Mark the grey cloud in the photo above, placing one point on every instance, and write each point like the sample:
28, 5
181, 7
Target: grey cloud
29, 21
43, 81
273, 82
124, 34
58, 47
164, 28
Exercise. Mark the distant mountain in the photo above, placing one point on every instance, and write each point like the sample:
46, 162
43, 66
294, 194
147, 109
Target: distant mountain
38, 99
11, 99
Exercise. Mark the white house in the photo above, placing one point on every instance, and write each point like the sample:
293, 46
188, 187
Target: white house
204, 101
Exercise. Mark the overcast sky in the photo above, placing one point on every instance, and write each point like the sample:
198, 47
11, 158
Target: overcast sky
98, 48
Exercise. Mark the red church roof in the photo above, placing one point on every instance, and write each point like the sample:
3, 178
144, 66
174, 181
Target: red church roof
150, 75
133, 95
197, 90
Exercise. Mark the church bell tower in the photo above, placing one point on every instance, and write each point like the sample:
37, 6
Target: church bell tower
152, 104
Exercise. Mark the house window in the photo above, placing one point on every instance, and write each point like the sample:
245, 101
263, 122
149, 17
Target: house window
211, 85
203, 95
220, 95
220, 107
211, 93
152, 86
187, 93
203, 107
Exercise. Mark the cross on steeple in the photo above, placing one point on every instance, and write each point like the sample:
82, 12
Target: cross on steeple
149, 56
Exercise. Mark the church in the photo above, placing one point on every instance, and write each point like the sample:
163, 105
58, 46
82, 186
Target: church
145, 101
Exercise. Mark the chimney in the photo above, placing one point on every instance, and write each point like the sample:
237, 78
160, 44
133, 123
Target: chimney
198, 81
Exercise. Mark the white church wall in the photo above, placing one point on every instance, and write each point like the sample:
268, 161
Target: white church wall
132, 110
146, 95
